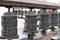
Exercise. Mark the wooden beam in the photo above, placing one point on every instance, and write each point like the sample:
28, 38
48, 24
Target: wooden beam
25, 4
48, 36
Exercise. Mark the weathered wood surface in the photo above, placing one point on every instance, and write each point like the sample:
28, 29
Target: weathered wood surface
47, 37
28, 3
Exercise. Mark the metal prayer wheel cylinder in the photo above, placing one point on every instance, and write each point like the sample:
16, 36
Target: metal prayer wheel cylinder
44, 25
44, 21
31, 28
54, 19
59, 20
44, 17
30, 22
9, 25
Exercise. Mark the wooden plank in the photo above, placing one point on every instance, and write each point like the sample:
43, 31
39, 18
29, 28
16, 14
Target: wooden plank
47, 37
37, 4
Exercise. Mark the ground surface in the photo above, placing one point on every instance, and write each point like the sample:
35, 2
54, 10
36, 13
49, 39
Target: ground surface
47, 37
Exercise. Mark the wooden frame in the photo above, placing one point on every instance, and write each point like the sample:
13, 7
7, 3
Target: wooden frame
25, 4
